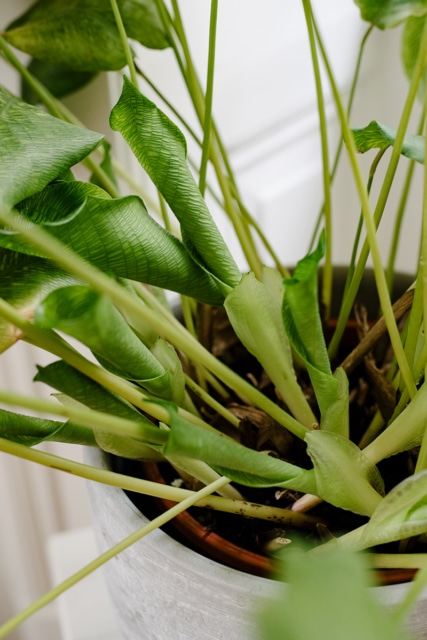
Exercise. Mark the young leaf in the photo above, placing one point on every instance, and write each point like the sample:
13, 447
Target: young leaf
230, 458
82, 34
401, 514
36, 148
389, 13
161, 149
344, 477
378, 136
255, 316
30, 431
117, 235
301, 319
327, 596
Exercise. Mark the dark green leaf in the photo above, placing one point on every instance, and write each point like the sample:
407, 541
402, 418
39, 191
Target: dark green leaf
379, 136
36, 148
30, 431
82, 34
161, 149
389, 13
117, 235
59, 81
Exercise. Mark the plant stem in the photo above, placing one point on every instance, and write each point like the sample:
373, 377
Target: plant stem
327, 207
108, 555
418, 584
125, 42
207, 125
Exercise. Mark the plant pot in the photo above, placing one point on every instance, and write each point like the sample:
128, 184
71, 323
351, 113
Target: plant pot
163, 590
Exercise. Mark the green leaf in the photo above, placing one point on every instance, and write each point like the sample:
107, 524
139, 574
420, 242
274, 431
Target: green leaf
378, 136
82, 34
91, 318
254, 313
327, 596
410, 46
389, 13
344, 476
161, 149
116, 235
36, 148
60, 83
231, 459
76, 385
301, 319
30, 431
401, 514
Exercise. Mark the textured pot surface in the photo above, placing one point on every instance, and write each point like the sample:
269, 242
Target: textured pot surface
164, 591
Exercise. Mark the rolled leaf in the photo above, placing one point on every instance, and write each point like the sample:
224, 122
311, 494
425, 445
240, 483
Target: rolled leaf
36, 148
29, 430
389, 13
82, 34
379, 136
161, 149
255, 316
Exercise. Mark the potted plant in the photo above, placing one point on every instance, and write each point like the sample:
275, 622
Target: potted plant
81, 262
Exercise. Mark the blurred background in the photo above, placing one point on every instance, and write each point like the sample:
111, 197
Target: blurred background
265, 106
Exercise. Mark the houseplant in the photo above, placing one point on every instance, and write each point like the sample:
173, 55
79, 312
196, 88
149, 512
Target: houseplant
67, 267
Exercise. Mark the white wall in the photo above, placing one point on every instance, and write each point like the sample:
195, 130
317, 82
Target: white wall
265, 107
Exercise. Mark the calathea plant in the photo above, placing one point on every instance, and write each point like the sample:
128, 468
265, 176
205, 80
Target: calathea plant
81, 261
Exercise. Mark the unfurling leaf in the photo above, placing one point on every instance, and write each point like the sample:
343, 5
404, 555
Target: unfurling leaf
379, 136
389, 13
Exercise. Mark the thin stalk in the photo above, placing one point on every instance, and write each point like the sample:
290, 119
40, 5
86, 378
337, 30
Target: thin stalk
418, 584
125, 42
327, 207
108, 555
382, 199
372, 241
400, 215
207, 124
211, 402
171, 331
156, 489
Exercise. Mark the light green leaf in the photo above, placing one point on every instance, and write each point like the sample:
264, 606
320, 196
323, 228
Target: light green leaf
344, 477
327, 596
36, 148
255, 316
410, 47
30, 431
117, 235
231, 459
401, 514
82, 34
161, 149
378, 136
389, 13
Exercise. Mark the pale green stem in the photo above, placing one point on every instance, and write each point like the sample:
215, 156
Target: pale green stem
214, 404
125, 42
108, 555
171, 331
87, 417
327, 206
388, 180
207, 124
418, 584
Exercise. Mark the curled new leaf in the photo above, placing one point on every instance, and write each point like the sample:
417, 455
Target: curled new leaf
29, 430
